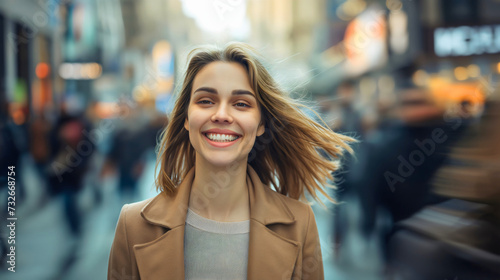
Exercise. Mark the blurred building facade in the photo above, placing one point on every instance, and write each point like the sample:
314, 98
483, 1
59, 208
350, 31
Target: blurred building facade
54, 50
382, 45
30, 32
449, 48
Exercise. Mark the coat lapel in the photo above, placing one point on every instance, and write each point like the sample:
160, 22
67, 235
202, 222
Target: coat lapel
270, 255
163, 258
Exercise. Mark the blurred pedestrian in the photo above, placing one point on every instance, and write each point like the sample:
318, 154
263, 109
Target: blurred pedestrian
71, 154
458, 238
136, 135
397, 162
13, 145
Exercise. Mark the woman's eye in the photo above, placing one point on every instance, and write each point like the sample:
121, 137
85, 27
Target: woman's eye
241, 104
204, 102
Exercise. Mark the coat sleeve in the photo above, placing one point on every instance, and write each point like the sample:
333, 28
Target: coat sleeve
312, 261
119, 265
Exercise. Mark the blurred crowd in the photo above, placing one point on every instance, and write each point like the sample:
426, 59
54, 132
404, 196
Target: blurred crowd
74, 149
424, 180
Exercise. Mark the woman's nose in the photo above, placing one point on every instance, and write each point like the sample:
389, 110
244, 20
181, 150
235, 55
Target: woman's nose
222, 115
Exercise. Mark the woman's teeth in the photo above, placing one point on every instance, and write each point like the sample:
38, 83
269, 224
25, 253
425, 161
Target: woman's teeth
221, 137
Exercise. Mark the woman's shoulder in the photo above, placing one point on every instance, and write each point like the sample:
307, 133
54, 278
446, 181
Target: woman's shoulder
131, 213
138, 227
136, 207
300, 209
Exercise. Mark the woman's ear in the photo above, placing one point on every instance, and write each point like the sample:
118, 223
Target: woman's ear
261, 129
186, 124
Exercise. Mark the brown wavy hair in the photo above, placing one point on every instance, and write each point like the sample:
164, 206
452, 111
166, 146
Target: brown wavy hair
295, 153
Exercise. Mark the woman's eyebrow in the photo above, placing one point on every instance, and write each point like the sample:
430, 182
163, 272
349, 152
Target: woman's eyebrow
234, 92
242, 92
206, 89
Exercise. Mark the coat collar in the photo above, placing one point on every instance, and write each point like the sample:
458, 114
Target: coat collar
270, 255
266, 207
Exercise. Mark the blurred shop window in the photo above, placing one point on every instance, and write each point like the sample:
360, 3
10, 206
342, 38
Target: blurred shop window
460, 11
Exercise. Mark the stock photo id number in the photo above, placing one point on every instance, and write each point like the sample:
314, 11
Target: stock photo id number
11, 218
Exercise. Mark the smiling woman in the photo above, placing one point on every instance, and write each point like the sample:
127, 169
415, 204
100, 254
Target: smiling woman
223, 107
234, 161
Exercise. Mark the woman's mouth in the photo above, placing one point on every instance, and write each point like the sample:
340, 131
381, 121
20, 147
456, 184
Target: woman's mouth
216, 137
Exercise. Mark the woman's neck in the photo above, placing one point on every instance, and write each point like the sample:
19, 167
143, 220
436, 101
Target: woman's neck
220, 192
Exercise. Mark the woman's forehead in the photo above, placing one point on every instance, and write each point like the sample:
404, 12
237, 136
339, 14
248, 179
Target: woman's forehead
223, 76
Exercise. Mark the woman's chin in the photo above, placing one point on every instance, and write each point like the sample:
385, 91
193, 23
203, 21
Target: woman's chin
222, 162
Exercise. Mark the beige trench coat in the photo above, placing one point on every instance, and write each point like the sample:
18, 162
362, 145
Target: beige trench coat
283, 242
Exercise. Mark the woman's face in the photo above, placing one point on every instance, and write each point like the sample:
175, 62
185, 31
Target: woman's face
223, 115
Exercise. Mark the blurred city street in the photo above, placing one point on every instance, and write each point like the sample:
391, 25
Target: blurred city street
88, 90
46, 247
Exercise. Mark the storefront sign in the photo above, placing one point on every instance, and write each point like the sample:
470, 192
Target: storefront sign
467, 40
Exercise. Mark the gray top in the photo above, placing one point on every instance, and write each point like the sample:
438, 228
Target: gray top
215, 250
